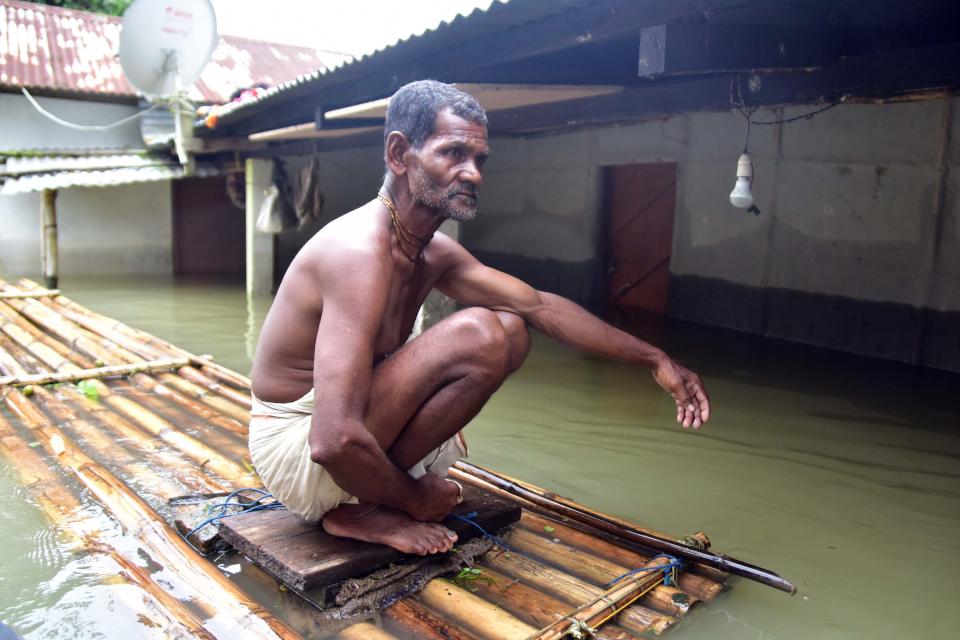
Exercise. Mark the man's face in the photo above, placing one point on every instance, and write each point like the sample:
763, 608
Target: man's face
447, 170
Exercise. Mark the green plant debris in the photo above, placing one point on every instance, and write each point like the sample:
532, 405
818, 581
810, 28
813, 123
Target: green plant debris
467, 575
549, 529
89, 389
27, 391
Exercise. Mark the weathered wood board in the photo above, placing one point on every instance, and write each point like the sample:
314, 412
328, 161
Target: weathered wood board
304, 557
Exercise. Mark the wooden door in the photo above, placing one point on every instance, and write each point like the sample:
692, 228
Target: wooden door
640, 201
208, 231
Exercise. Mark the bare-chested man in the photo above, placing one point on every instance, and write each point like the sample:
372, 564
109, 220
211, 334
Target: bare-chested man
351, 422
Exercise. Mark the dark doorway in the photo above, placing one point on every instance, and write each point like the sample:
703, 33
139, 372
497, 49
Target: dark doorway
639, 210
208, 231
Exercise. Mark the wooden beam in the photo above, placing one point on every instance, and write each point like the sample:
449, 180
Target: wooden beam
682, 48
884, 75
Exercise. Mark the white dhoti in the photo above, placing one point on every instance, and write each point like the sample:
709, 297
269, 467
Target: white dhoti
280, 453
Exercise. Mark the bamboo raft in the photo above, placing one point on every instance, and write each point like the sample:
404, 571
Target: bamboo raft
137, 422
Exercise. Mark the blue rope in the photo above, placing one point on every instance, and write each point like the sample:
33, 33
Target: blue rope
229, 503
669, 570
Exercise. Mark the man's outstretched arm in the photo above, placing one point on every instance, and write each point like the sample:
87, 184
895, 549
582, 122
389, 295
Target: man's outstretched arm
469, 282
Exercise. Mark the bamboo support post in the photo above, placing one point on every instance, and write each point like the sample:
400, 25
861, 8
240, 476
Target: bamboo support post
48, 246
476, 615
635, 618
696, 585
532, 606
417, 621
141, 521
61, 508
605, 606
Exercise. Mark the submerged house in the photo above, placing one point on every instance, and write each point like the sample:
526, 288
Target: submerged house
616, 128
124, 205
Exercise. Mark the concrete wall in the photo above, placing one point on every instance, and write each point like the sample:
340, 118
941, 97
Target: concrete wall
849, 250
110, 230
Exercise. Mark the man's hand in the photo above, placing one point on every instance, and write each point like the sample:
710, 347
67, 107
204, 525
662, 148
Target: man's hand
693, 405
438, 497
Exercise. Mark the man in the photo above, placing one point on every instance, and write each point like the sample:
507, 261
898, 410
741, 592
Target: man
353, 424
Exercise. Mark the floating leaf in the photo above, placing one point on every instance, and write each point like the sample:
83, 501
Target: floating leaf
89, 389
549, 529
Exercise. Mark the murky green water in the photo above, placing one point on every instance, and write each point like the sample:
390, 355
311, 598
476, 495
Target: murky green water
842, 474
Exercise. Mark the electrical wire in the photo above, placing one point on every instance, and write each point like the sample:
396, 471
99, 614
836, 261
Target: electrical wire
84, 127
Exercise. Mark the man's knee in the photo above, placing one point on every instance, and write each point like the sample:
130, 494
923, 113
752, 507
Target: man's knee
518, 338
484, 341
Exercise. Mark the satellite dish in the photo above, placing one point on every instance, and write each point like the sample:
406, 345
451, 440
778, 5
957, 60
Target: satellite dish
164, 47
165, 44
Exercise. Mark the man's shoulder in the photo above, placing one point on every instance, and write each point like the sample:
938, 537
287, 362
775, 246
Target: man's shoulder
354, 235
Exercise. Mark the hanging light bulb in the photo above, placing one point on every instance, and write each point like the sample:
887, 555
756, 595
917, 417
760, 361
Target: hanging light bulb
741, 197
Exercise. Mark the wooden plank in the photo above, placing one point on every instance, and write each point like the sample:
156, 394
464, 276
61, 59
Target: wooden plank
304, 557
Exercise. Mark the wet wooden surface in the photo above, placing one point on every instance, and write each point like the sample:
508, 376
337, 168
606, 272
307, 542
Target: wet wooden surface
304, 557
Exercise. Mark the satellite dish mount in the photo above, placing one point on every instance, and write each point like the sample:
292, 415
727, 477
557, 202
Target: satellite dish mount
164, 47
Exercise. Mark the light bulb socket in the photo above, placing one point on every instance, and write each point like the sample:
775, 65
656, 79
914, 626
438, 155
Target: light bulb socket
744, 166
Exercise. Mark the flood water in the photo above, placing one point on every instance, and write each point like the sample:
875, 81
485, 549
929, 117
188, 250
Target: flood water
840, 473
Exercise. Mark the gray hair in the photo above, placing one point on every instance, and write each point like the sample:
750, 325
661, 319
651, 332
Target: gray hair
414, 107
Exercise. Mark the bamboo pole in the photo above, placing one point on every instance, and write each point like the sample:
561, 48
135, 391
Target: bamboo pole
62, 509
205, 411
101, 352
474, 614
417, 621
532, 606
141, 521
188, 475
48, 247
150, 346
549, 502
605, 606
596, 570
149, 366
364, 631
46, 316
635, 618
206, 457
10, 365
698, 586
39, 293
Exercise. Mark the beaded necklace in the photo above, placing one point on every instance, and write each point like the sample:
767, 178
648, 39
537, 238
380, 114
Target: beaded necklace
404, 235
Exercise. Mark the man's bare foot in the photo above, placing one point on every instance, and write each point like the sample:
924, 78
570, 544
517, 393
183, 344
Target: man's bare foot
385, 525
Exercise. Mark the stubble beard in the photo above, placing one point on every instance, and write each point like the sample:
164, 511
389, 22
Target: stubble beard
426, 192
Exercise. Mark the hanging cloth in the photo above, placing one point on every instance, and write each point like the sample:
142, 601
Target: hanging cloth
308, 199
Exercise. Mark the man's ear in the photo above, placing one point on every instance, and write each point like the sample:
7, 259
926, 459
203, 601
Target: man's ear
397, 151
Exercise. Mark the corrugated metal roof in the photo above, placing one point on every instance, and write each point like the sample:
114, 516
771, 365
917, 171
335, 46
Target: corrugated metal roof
42, 164
499, 16
100, 178
45, 47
